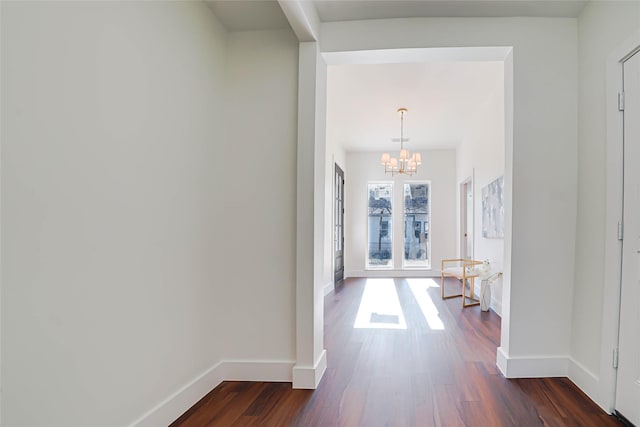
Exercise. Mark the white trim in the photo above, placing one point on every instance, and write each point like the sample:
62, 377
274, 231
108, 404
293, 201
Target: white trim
501, 361
392, 261
188, 395
308, 377
326, 290
179, 402
253, 370
586, 381
613, 213
393, 273
422, 55
496, 306
462, 213
303, 18
532, 367
403, 217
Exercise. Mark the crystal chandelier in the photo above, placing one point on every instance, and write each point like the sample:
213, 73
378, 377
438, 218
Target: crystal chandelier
406, 163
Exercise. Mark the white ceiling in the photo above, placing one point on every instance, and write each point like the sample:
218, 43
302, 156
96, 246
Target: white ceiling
442, 99
352, 10
249, 15
245, 15
441, 96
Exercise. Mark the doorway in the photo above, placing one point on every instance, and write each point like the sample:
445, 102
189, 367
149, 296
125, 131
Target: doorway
316, 170
628, 374
338, 227
466, 219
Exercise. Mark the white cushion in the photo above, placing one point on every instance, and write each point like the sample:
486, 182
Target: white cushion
457, 271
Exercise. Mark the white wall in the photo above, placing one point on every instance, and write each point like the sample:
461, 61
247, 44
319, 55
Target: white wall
439, 167
111, 114
311, 359
542, 156
335, 155
481, 155
259, 296
135, 261
602, 27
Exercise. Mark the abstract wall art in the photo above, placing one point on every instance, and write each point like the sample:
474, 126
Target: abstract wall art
493, 209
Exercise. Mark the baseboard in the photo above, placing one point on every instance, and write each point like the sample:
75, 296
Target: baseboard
178, 403
501, 361
532, 367
309, 377
327, 289
250, 370
496, 306
392, 273
588, 382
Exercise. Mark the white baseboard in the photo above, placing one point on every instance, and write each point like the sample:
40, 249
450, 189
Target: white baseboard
501, 361
251, 370
327, 289
309, 376
532, 367
588, 382
392, 273
178, 403
496, 306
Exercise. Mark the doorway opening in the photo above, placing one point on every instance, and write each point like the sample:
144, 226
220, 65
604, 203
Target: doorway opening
466, 219
442, 228
338, 227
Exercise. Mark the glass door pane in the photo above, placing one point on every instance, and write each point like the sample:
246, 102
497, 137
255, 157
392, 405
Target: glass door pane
380, 226
416, 225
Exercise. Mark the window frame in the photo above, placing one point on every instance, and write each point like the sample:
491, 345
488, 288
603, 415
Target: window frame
428, 222
389, 228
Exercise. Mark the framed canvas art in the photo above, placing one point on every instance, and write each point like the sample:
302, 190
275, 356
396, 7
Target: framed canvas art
493, 209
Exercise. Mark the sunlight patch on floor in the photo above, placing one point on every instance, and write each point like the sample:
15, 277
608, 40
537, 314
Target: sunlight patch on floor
419, 289
380, 306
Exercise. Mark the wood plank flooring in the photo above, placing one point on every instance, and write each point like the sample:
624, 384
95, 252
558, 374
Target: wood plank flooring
439, 371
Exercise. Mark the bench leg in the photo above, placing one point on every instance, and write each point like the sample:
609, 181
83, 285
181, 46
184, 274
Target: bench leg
471, 296
448, 296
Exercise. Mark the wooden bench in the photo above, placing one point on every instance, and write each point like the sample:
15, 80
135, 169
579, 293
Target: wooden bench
463, 270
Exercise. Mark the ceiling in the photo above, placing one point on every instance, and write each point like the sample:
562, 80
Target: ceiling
249, 15
332, 10
246, 15
442, 99
442, 96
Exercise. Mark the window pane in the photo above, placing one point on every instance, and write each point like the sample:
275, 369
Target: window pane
380, 226
416, 225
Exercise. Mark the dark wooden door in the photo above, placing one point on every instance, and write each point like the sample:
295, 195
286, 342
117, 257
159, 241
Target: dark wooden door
338, 227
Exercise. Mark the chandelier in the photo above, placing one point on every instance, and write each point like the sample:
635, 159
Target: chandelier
406, 163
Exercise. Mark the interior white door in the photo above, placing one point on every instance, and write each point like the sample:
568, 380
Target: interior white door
466, 219
470, 230
628, 382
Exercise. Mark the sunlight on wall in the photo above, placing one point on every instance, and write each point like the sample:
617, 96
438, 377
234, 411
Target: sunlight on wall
380, 306
419, 289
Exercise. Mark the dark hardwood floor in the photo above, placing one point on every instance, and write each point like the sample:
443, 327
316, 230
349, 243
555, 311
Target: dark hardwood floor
439, 371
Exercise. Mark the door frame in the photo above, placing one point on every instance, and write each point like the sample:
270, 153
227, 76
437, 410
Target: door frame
629, 270
464, 219
604, 388
337, 167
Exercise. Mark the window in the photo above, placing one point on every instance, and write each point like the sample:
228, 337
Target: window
384, 229
416, 225
380, 226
